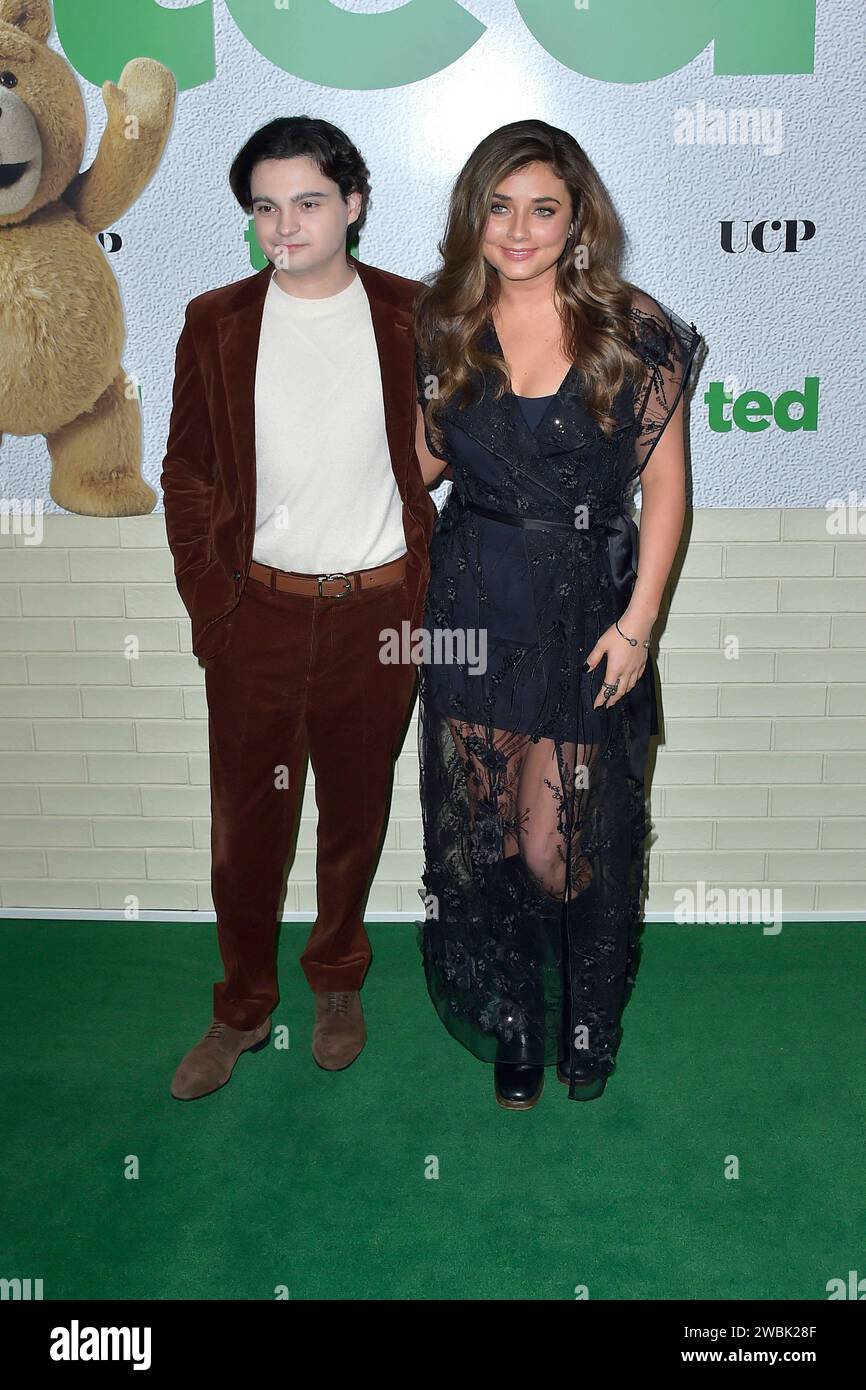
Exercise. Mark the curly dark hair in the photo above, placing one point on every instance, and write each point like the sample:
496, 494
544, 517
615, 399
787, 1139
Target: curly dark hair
326, 145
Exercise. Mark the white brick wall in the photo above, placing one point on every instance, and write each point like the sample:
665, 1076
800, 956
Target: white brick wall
103, 761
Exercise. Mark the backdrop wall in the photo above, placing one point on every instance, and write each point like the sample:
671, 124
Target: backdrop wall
730, 136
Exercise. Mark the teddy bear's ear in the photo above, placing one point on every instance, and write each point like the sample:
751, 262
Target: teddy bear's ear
31, 16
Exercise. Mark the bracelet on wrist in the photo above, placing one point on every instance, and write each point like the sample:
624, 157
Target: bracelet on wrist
632, 641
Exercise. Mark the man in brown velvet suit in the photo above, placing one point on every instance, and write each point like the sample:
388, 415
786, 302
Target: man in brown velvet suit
299, 524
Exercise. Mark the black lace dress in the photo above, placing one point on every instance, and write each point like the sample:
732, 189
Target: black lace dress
533, 802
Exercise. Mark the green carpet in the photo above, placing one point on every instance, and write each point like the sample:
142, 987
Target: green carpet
735, 1044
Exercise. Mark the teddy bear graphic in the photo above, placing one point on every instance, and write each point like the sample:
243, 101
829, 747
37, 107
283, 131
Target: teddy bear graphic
61, 318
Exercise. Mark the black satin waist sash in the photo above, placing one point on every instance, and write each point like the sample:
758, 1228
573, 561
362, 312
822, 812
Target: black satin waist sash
622, 545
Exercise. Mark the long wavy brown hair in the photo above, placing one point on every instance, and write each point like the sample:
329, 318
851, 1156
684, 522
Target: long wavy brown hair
456, 303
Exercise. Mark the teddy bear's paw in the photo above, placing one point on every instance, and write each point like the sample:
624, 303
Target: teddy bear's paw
143, 89
111, 494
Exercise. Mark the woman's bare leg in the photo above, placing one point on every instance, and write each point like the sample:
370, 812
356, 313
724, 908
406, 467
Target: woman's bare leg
539, 793
553, 793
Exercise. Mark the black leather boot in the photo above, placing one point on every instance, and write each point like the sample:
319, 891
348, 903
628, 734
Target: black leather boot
517, 1085
587, 1084
518, 1078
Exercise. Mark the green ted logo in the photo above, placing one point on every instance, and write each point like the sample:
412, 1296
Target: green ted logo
609, 40
755, 411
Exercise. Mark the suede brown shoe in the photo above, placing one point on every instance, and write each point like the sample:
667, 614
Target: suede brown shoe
208, 1065
339, 1033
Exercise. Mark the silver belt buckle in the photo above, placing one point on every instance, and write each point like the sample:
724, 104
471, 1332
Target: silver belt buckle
321, 579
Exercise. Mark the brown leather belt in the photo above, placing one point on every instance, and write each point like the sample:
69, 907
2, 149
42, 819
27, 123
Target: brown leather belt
329, 585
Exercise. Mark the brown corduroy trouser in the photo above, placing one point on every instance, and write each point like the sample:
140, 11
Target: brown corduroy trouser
300, 674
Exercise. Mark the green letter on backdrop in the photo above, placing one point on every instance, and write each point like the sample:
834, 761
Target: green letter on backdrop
308, 38
335, 48
610, 40
100, 36
640, 40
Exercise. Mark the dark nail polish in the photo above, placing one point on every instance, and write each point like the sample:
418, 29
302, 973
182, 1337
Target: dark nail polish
586, 666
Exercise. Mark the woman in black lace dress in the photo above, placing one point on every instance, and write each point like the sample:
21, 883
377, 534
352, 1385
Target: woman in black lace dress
546, 384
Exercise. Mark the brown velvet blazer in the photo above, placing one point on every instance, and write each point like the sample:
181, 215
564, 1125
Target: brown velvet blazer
209, 471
